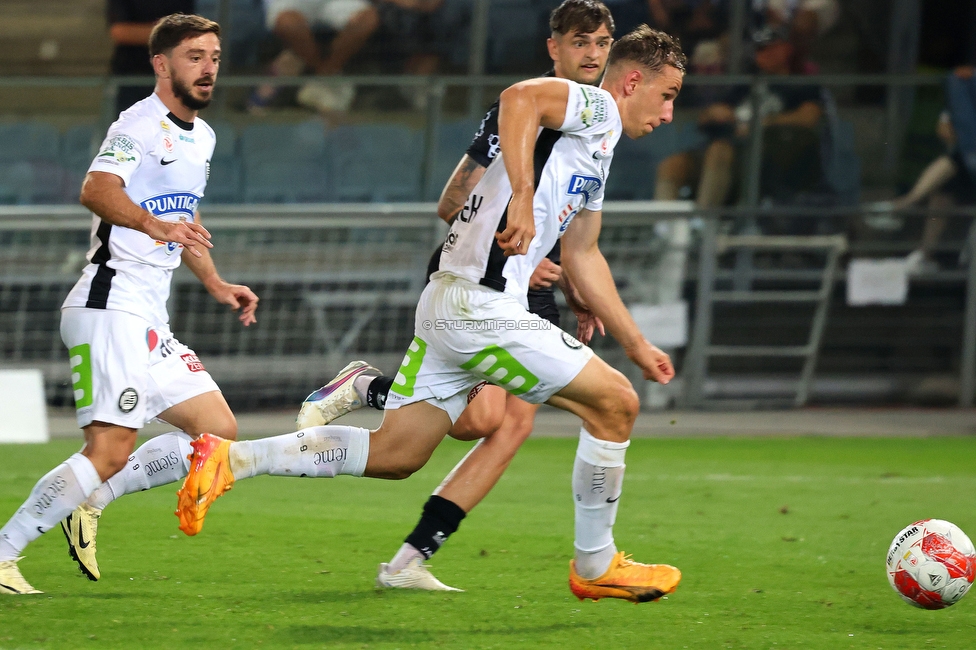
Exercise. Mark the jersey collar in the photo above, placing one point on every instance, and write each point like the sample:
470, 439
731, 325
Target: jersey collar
183, 124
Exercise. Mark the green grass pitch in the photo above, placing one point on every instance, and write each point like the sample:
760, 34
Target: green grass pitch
781, 542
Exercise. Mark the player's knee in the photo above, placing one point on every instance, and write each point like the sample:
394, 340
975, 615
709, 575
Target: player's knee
226, 428
521, 429
116, 458
477, 426
619, 408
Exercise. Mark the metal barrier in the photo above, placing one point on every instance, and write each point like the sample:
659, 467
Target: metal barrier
340, 281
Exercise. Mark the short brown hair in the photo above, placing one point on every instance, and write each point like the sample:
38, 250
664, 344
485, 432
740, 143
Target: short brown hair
175, 28
580, 17
649, 47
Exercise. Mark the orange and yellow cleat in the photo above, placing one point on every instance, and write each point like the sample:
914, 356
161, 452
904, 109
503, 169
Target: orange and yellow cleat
626, 579
209, 477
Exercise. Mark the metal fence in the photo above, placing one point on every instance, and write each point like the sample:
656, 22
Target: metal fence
339, 282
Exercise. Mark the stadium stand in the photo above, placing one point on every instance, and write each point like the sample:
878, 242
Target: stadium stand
285, 163
375, 162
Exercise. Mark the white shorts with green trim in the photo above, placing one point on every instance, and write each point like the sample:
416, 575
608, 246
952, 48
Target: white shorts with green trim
465, 333
126, 371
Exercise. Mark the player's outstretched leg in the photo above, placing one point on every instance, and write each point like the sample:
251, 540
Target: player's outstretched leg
398, 448
347, 392
160, 460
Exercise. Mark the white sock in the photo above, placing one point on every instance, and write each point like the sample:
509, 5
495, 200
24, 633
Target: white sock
54, 497
598, 476
403, 557
158, 461
317, 451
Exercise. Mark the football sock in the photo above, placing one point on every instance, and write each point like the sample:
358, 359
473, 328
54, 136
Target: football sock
598, 476
54, 497
403, 558
158, 461
317, 451
440, 520
376, 392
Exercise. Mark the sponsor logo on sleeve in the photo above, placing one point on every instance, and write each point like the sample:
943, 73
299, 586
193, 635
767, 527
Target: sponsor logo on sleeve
117, 149
192, 362
594, 107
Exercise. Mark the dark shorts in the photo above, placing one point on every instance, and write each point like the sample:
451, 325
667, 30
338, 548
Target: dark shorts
543, 304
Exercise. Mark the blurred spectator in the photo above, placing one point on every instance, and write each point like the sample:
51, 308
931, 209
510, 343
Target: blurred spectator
295, 21
950, 179
791, 140
411, 33
800, 22
702, 28
129, 24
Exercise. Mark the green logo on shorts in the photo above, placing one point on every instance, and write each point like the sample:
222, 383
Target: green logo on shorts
79, 358
407, 376
499, 367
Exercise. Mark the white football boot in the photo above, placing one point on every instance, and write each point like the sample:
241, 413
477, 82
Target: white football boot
416, 575
336, 398
11, 581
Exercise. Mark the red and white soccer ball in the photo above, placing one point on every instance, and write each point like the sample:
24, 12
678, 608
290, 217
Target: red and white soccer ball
931, 564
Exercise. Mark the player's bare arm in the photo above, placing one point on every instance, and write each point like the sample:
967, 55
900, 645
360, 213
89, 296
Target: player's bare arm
104, 194
522, 109
590, 274
459, 187
586, 321
237, 296
545, 275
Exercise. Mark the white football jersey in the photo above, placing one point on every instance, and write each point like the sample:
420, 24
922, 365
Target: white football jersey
571, 166
164, 163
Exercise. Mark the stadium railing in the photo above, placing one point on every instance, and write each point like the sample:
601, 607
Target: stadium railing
339, 282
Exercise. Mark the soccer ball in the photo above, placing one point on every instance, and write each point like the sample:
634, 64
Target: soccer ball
931, 564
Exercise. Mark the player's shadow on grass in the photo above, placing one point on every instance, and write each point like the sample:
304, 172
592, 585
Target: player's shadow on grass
314, 634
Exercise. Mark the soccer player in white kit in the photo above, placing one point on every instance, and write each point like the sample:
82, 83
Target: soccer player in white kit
127, 367
472, 324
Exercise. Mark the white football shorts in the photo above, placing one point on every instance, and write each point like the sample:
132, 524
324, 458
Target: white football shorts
126, 371
465, 334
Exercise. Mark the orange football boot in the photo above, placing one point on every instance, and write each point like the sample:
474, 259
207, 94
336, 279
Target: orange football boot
209, 477
633, 581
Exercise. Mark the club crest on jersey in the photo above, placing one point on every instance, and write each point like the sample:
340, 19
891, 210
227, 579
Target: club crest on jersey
168, 142
604, 150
